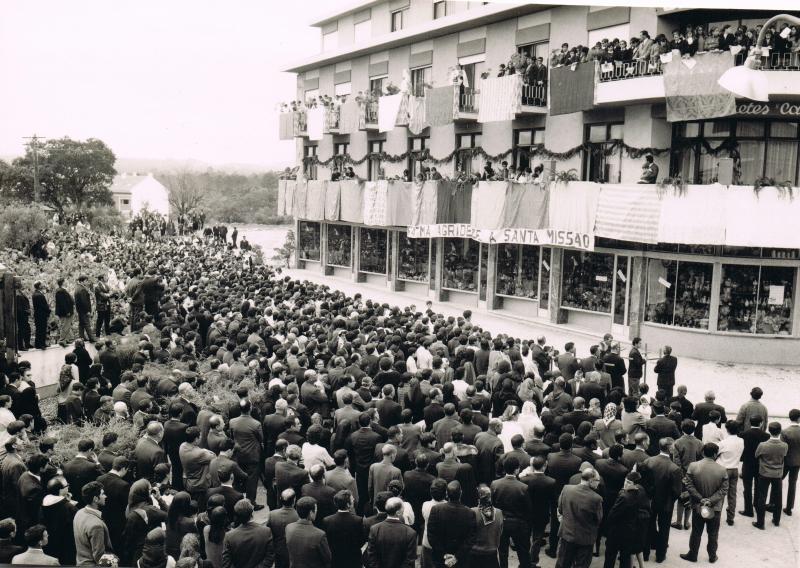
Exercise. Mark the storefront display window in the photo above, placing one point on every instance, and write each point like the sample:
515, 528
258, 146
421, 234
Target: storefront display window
756, 299
340, 244
679, 293
373, 250
518, 271
460, 264
413, 259
484, 270
308, 239
544, 284
587, 281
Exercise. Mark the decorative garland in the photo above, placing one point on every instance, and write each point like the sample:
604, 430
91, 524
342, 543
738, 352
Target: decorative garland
607, 148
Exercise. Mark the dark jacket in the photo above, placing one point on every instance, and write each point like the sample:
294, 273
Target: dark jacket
453, 470
665, 369
57, 515
41, 309
662, 478
148, 455
65, 305
392, 544
324, 497
752, 438
307, 545
451, 530
248, 546
116, 490
345, 534
417, 490
543, 495
78, 472
490, 448
83, 300
289, 474
231, 497
512, 497
561, 466
278, 520
582, 510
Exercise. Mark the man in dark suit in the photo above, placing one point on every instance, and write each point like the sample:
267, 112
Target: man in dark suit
416, 491
402, 460
791, 465
116, 490
660, 427
345, 532
321, 493
30, 493
227, 491
269, 471
511, 496
561, 465
451, 469
279, 519
707, 484
702, 412
8, 549
451, 529
41, 315
613, 473
443, 428
112, 368
307, 545
82, 469
174, 436
148, 451
581, 510
543, 498
490, 449
665, 369
360, 445
752, 437
392, 544
249, 545
289, 473
389, 411
578, 414
662, 479
246, 432
614, 365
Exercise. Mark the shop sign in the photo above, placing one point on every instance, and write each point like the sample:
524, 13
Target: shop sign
542, 237
768, 109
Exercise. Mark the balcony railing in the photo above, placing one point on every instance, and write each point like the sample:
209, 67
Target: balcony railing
371, 112
781, 62
619, 70
534, 95
468, 100
300, 123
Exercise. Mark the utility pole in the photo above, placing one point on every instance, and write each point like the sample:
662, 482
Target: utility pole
34, 145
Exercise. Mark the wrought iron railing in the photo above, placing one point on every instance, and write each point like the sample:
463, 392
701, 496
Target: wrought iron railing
619, 70
535, 95
468, 100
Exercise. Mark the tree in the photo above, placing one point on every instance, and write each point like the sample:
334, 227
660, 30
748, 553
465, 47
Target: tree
284, 254
185, 194
71, 173
21, 226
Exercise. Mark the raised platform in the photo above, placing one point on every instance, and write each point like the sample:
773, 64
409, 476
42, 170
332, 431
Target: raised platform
46, 364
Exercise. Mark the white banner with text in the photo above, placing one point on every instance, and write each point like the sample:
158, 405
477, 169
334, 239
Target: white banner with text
542, 237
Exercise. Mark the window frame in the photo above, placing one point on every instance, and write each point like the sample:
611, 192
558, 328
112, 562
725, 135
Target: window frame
695, 151
392, 21
442, 4
426, 71
586, 165
374, 163
517, 146
413, 162
464, 160
310, 170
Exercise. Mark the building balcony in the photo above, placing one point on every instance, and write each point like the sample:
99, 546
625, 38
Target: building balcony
534, 99
465, 104
368, 116
331, 121
292, 125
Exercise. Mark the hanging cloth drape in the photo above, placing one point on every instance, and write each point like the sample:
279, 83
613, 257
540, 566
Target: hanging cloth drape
352, 201
694, 216
628, 213
375, 203
316, 122
281, 197
299, 203
439, 106
388, 109
500, 98
348, 117
526, 206
289, 201
424, 203
488, 199
416, 115
333, 201
573, 206
692, 89
400, 195
315, 200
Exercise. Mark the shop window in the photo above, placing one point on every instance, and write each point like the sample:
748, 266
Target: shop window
416, 147
621, 296
460, 264
678, 293
524, 142
758, 149
374, 166
518, 271
413, 258
544, 283
373, 250
597, 165
309, 168
340, 245
756, 299
419, 78
484, 254
308, 239
587, 281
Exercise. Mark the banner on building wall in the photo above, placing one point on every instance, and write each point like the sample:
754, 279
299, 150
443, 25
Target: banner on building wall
692, 89
571, 88
540, 237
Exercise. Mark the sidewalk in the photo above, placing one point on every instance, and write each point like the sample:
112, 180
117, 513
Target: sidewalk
731, 382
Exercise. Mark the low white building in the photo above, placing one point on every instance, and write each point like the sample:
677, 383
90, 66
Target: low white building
132, 193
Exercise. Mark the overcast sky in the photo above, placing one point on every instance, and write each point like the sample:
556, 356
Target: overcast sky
172, 79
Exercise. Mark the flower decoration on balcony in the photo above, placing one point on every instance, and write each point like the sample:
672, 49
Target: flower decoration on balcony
391, 89
784, 188
676, 184
565, 176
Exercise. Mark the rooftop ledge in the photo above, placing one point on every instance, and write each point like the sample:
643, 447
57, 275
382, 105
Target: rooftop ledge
479, 15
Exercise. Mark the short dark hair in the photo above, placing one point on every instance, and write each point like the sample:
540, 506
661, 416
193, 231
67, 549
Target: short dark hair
90, 491
510, 465
774, 428
304, 506
710, 450
34, 535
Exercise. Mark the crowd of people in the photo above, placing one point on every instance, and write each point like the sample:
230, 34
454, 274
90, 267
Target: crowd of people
381, 435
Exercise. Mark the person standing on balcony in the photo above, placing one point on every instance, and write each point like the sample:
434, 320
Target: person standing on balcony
649, 170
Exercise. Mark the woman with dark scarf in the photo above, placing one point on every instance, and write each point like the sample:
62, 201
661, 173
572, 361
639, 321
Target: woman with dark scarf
142, 517
490, 527
415, 400
180, 522
154, 554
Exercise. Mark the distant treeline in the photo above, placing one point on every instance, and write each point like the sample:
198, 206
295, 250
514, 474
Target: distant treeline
235, 198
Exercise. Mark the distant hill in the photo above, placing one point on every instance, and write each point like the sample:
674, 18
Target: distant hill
152, 165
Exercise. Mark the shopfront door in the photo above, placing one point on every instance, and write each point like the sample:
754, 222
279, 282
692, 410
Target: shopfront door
620, 297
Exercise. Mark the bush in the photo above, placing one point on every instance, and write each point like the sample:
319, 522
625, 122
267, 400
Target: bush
105, 219
21, 226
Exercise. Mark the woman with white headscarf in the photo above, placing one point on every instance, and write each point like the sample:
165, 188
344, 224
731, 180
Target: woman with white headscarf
529, 420
607, 427
510, 426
